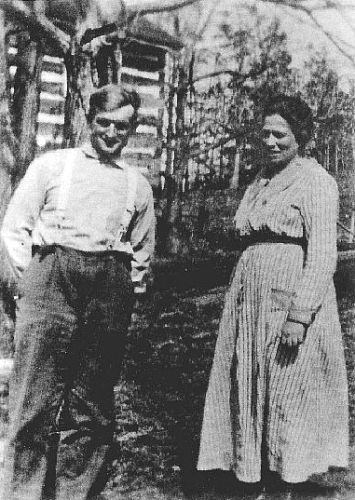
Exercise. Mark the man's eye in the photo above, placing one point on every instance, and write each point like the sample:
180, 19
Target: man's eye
121, 126
103, 123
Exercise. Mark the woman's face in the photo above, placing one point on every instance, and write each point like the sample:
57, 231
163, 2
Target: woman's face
278, 140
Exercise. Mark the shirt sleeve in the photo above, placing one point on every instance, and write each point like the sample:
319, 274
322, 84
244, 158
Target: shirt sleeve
320, 212
143, 238
20, 218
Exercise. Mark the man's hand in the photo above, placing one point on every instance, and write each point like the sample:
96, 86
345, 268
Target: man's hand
140, 290
292, 334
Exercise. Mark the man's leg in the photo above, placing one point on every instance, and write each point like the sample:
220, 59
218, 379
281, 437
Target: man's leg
84, 449
44, 327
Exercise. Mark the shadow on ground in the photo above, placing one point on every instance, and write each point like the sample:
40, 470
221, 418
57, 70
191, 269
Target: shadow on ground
161, 396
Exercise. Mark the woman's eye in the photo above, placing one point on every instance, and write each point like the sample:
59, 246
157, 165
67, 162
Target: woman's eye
267, 133
279, 135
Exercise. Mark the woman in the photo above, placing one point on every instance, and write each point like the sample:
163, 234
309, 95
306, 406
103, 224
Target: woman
277, 395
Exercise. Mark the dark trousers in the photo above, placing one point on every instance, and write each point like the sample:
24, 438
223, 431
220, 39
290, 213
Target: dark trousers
73, 313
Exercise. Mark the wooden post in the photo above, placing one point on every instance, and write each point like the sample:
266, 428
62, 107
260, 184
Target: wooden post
117, 55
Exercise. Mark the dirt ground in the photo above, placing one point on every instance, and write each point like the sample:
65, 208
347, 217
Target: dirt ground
160, 397
160, 401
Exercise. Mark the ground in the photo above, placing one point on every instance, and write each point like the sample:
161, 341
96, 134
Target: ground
161, 395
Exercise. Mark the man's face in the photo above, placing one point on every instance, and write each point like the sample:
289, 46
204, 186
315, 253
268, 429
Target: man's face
279, 142
110, 131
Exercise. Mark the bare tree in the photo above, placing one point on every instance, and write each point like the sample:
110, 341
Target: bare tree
311, 8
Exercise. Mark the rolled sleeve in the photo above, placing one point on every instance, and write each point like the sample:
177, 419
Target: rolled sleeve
20, 218
143, 236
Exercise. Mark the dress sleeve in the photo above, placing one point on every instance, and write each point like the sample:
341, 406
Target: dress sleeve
21, 216
320, 211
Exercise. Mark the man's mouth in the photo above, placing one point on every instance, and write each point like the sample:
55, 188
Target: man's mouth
110, 143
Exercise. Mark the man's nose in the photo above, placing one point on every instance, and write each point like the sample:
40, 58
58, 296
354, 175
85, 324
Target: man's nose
111, 131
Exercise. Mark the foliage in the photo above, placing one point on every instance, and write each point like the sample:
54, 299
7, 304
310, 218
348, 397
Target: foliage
219, 140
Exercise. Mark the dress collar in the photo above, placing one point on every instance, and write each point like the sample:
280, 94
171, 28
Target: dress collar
282, 179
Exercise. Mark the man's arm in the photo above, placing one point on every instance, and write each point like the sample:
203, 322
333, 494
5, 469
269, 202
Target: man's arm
143, 239
20, 218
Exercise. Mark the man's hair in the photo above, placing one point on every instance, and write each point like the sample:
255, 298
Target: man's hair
113, 96
296, 112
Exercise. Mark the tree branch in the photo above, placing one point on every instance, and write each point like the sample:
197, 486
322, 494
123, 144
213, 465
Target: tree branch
156, 6
309, 11
36, 23
221, 142
235, 73
214, 73
131, 11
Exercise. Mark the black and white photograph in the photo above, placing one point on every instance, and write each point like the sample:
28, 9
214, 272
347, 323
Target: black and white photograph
177, 249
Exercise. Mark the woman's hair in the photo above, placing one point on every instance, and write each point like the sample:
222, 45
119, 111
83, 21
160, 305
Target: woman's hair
113, 96
297, 114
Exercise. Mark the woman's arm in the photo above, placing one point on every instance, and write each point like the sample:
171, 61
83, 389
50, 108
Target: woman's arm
320, 212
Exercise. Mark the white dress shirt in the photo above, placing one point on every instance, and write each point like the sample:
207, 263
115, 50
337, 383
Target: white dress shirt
95, 203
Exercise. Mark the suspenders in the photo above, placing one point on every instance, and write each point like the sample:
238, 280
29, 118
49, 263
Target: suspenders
64, 186
132, 181
63, 194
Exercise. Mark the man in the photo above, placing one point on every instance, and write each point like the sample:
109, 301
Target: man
79, 229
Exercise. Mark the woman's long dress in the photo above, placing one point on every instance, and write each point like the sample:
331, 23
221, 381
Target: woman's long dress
266, 402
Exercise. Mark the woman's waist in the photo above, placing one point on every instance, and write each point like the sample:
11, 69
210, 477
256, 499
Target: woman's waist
268, 238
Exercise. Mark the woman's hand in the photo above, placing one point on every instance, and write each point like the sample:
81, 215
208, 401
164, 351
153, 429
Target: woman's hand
292, 334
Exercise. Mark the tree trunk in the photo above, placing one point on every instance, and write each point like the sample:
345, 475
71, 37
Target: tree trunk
168, 231
79, 87
26, 101
234, 183
7, 149
7, 163
352, 215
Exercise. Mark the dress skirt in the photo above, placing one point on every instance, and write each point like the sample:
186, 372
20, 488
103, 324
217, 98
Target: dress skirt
268, 404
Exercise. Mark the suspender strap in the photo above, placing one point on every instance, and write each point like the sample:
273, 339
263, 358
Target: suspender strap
132, 182
64, 186
63, 194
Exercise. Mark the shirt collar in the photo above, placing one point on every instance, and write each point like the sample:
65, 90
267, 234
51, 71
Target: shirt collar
91, 152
